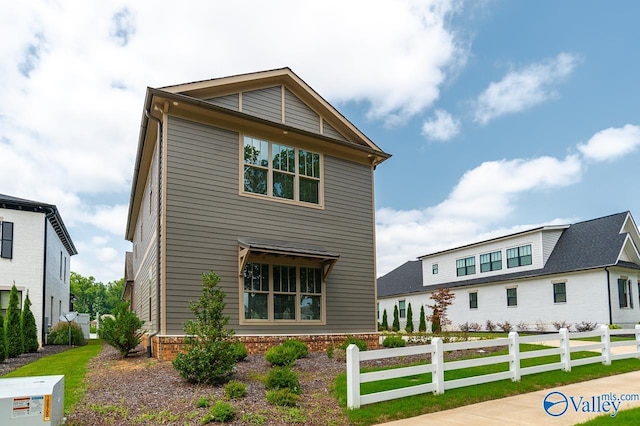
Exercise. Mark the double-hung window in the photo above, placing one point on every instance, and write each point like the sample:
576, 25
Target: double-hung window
4, 300
280, 171
282, 292
473, 300
6, 240
559, 292
519, 256
402, 308
491, 261
434, 269
624, 293
466, 266
512, 296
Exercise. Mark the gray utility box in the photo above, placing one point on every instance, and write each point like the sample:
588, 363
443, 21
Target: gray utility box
35, 400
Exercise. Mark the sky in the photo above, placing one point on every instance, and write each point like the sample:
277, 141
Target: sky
500, 115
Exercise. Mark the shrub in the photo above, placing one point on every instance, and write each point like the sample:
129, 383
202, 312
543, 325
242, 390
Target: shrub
586, 326
361, 344
474, 326
409, 326
282, 378
123, 331
561, 324
490, 325
300, 347
29, 328
394, 342
330, 350
540, 326
340, 354
281, 355
13, 331
3, 345
283, 397
505, 326
59, 334
464, 327
396, 319
522, 326
203, 402
235, 390
239, 350
614, 327
422, 326
209, 354
221, 412
385, 320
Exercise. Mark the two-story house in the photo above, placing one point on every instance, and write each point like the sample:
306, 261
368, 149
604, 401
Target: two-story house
587, 271
35, 255
261, 180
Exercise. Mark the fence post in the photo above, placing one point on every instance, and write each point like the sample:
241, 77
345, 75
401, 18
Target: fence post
437, 359
638, 340
514, 352
565, 349
605, 338
353, 377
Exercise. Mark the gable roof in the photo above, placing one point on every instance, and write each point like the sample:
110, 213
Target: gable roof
49, 210
406, 278
595, 243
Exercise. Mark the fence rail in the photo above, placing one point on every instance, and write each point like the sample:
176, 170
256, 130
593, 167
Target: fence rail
437, 367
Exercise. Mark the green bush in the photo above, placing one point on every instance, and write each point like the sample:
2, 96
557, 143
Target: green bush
239, 350
123, 331
300, 347
283, 398
615, 327
208, 364
235, 390
221, 412
12, 329
3, 345
283, 378
361, 344
59, 334
281, 355
203, 402
29, 328
394, 342
330, 350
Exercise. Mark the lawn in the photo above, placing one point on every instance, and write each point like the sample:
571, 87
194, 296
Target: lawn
72, 364
626, 417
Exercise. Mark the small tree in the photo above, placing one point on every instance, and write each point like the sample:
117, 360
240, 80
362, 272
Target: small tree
123, 331
396, 319
3, 345
385, 320
409, 326
29, 328
442, 298
15, 345
209, 356
422, 327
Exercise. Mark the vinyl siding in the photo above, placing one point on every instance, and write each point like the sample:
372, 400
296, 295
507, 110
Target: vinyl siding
229, 101
328, 130
549, 241
264, 103
206, 216
298, 114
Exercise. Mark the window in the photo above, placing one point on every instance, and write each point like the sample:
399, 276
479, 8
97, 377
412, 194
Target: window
491, 261
434, 269
466, 266
282, 292
6, 240
281, 171
473, 300
519, 256
559, 292
624, 293
512, 297
4, 301
61, 264
402, 308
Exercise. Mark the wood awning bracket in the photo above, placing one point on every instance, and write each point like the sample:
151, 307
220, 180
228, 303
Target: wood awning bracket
243, 256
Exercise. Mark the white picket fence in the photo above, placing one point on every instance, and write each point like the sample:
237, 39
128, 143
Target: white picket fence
437, 367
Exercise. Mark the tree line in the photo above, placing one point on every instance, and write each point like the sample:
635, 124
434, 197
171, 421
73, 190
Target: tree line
93, 297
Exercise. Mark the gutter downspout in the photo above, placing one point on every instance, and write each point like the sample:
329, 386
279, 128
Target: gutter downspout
45, 327
609, 294
158, 223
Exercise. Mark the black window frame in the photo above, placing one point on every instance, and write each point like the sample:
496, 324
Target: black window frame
494, 263
625, 294
434, 269
473, 300
520, 259
6, 240
469, 267
512, 299
560, 296
402, 311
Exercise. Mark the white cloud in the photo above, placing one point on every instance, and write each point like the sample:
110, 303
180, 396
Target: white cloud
522, 89
611, 143
442, 127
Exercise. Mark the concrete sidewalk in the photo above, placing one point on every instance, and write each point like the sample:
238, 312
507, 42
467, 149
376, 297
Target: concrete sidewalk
528, 409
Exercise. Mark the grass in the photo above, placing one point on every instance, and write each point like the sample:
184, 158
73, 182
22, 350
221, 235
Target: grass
428, 403
626, 417
71, 363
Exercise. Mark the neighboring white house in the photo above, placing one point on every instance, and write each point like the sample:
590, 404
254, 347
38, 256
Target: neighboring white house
587, 271
35, 252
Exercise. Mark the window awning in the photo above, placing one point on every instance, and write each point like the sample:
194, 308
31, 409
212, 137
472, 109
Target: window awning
284, 249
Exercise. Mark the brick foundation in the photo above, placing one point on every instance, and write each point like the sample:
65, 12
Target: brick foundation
166, 348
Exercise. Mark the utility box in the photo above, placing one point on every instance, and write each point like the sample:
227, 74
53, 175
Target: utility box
27, 401
83, 322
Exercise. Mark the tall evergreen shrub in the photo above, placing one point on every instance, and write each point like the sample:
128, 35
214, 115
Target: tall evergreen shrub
3, 345
409, 326
29, 328
13, 331
396, 319
385, 320
422, 327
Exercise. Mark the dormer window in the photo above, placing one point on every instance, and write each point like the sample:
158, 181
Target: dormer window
519, 256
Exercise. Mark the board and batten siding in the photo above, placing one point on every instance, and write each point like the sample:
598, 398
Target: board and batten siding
264, 103
205, 216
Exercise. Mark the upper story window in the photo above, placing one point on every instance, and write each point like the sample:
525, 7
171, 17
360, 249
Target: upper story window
281, 171
519, 256
434, 269
466, 266
6, 240
624, 293
491, 261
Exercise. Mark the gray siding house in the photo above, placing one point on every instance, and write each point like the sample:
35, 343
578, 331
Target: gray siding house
259, 179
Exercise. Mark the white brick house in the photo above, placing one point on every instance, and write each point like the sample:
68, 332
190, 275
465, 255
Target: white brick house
35, 253
587, 271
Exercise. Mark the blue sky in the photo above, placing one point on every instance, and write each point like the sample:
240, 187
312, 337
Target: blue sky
500, 115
